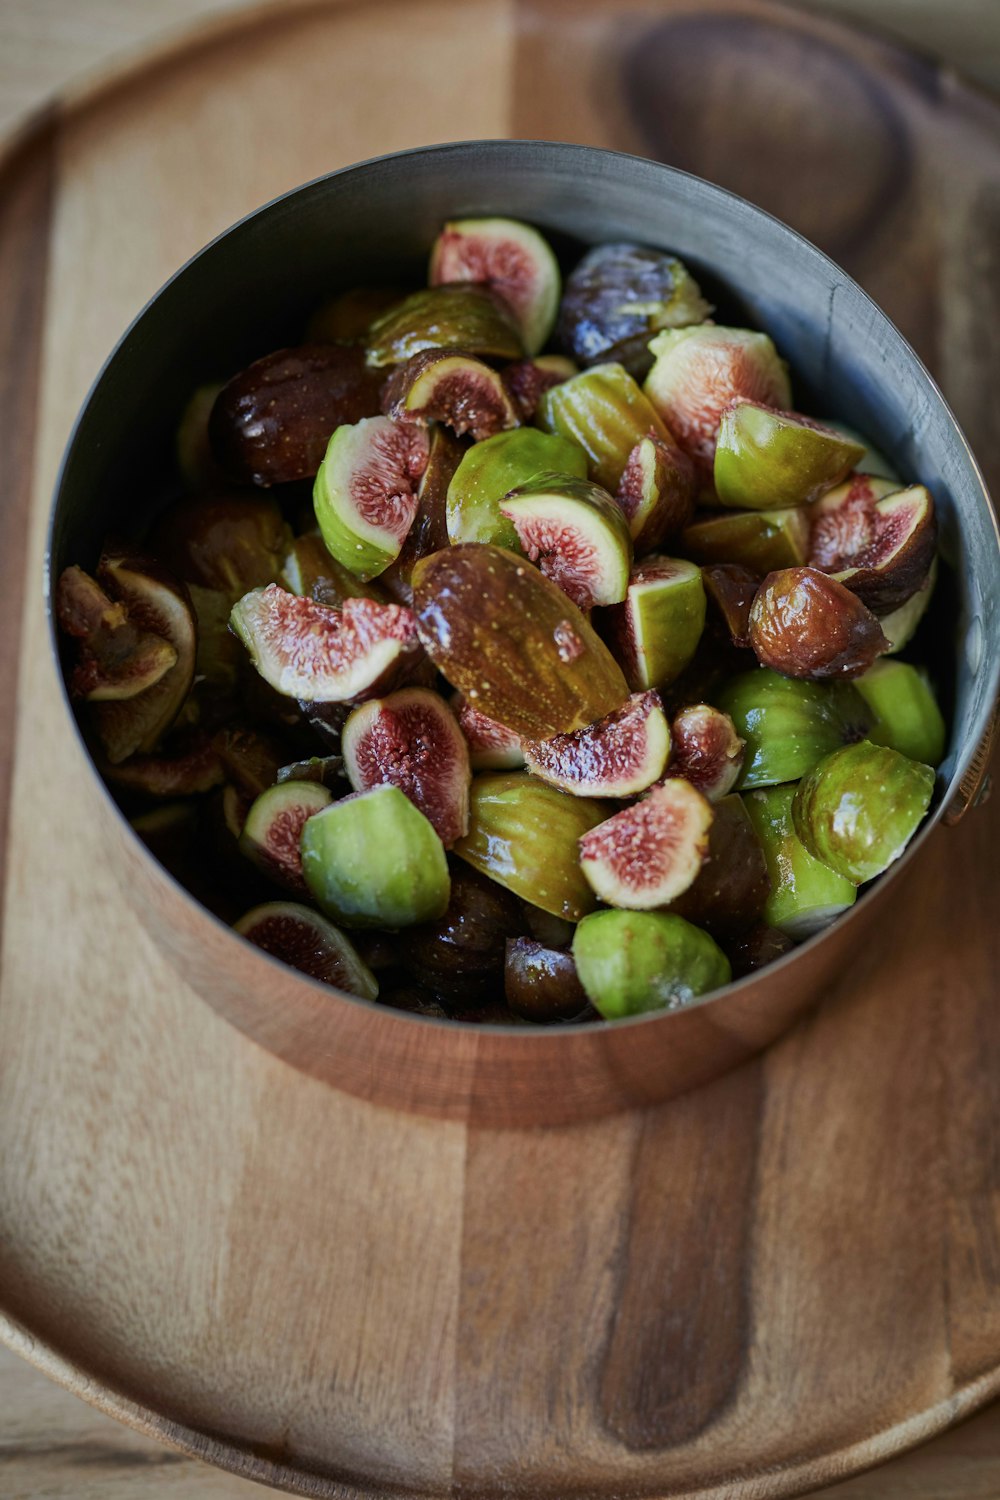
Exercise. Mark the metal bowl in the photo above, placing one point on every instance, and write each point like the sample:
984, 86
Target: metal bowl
250, 291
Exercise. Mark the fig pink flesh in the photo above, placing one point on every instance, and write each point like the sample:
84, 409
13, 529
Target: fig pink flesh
612, 757
504, 265
718, 376
412, 741
384, 491
298, 943
839, 535
284, 836
489, 743
562, 554
653, 850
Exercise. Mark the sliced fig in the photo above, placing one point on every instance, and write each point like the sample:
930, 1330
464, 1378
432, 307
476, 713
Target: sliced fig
412, 740
575, 533
309, 651
806, 895
904, 710
706, 750
754, 950
541, 984
373, 860
512, 643
528, 379
699, 372
452, 387
366, 492
509, 257
649, 853
114, 659
789, 725
804, 623
458, 316
489, 470
765, 459
655, 632
309, 571
618, 756
631, 962
604, 411
346, 318
618, 296
656, 492
194, 451
900, 626
186, 768
732, 887
229, 543
308, 942
327, 770
882, 551
858, 809
273, 830
461, 956
491, 746
271, 423
731, 588
760, 540
842, 522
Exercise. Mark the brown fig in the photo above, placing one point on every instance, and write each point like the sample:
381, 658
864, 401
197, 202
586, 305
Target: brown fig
451, 387
541, 984
732, 886
460, 957
880, 545
730, 588
706, 750
804, 623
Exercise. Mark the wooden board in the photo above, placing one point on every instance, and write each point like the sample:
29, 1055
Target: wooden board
766, 1285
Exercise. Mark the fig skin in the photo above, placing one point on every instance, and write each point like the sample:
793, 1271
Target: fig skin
512, 643
654, 633
803, 623
429, 531
309, 571
489, 470
731, 890
271, 423
886, 548
788, 725
327, 770
460, 315
113, 659
366, 492
731, 588
648, 854
513, 260
541, 984
229, 543
187, 767
766, 459
308, 942
273, 828
806, 895
632, 962
657, 493
527, 380
575, 534
706, 750
619, 756
452, 387
491, 746
905, 713
900, 626
604, 411
760, 540
461, 956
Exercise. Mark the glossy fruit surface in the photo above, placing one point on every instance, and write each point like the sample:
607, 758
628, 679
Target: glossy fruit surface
451, 387
273, 828
765, 459
905, 713
605, 412
705, 750
619, 756
656, 492
804, 623
882, 550
541, 984
458, 316
489, 470
366, 492
759, 540
731, 889
575, 534
633, 962
307, 941
511, 258
655, 632
411, 740
788, 725
730, 589
806, 895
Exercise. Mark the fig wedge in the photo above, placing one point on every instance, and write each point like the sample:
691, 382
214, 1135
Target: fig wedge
858, 809
541, 984
804, 623
576, 535
489, 470
187, 766
759, 540
731, 889
429, 532
491, 746
731, 588
411, 740
632, 962
308, 942
366, 492
460, 957
458, 316
766, 459
647, 854
509, 257
512, 643
114, 660
806, 896
309, 571
900, 626
881, 552
655, 632
706, 750
273, 827
229, 543
606, 414
619, 756
789, 725
309, 651
905, 713
452, 387
527, 380
656, 492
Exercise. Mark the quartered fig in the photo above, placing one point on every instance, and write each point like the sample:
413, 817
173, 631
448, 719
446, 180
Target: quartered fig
900, 626
804, 623
195, 459
765, 459
541, 984
649, 853
905, 713
527, 380
759, 540
327, 770
619, 756
309, 571
187, 766
701, 371
523, 834
618, 297
492, 468
655, 632
806, 896
458, 316
575, 533
373, 860
606, 414
656, 492
731, 588
273, 828
346, 318
308, 942
512, 643
452, 387
512, 259
113, 658
731, 889
631, 962
229, 543
272, 422
755, 949
881, 548
858, 809
366, 492
706, 750
309, 651
429, 531
460, 957
492, 747
411, 740
789, 725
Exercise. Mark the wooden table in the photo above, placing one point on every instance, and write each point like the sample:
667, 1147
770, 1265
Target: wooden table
51, 1444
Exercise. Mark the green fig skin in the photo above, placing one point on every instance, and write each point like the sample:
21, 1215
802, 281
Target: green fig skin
655, 631
859, 808
633, 962
765, 541
767, 459
605, 412
900, 626
490, 469
460, 316
789, 725
806, 895
904, 710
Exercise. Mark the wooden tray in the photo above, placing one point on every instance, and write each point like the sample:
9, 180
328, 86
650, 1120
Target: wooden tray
759, 1288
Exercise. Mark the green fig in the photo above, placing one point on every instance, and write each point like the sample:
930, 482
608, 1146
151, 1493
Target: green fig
495, 466
631, 962
806, 895
655, 631
761, 540
461, 316
905, 712
575, 534
605, 412
858, 809
788, 724
766, 459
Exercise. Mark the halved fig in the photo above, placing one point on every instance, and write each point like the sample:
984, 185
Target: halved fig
732, 887
346, 318
429, 531
754, 950
617, 297
706, 750
492, 747
631, 962
655, 632
882, 551
229, 543
701, 371
511, 258
309, 571
842, 522
760, 540
905, 713
272, 422
308, 942
458, 316
523, 834
461, 956
373, 860
366, 492
804, 623
114, 659
789, 725
765, 459
195, 459
576, 535
512, 643
452, 387
273, 829
541, 984
649, 853
489, 470
900, 626
185, 768
528, 379
618, 756
806, 896
858, 809
656, 492
327, 770
309, 651
605, 412
732, 589
412, 740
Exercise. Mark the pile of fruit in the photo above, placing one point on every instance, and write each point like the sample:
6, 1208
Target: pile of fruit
504, 684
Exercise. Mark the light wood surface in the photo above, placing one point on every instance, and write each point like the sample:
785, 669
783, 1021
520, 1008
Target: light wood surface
147, 1051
